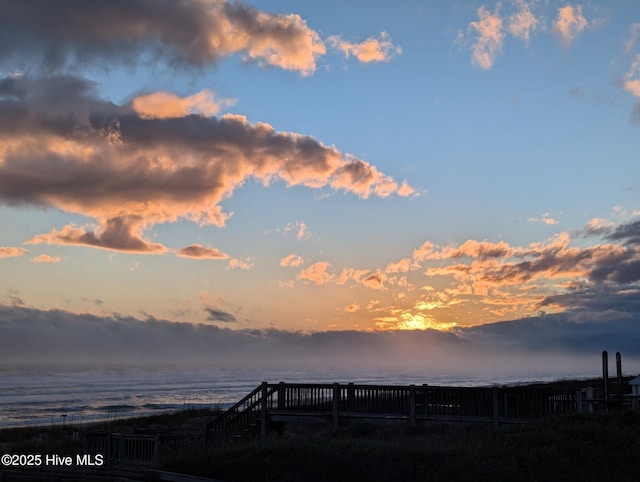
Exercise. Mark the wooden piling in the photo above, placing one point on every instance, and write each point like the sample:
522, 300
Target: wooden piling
263, 411
336, 401
605, 379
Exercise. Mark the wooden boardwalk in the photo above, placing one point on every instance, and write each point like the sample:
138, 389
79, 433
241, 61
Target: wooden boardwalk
337, 403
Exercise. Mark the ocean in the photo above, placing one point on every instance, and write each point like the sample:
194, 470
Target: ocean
36, 395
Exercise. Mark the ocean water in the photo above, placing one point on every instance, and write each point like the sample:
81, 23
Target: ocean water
32, 395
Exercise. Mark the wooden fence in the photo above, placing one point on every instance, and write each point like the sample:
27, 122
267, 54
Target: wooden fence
339, 402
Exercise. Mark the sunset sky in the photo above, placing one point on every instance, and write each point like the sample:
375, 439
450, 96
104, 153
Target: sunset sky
321, 166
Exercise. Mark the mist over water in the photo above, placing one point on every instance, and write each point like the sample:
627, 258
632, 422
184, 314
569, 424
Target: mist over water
36, 394
86, 367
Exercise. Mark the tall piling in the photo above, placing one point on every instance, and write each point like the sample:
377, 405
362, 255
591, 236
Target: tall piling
605, 379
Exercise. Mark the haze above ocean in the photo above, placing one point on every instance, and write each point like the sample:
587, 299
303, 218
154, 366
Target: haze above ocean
55, 394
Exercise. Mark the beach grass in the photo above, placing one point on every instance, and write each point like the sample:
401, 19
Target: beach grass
580, 448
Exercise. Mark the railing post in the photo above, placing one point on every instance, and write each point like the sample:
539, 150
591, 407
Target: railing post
351, 397
108, 449
121, 452
605, 379
281, 396
579, 402
425, 399
619, 374
496, 407
263, 412
336, 400
156, 449
412, 405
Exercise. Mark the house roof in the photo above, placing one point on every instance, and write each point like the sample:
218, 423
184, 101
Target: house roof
635, 381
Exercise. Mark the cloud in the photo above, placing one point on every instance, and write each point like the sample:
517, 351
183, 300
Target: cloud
12, 252
352, 308
292, 260
631, 80
523, 23
45, 258
490, 38
634, 35
316, 273
405, 190
553, 344
240, 263
220, 316
401, 266
546, 219
165, 105
122, 233
66, 148
197, 33
302, 230
379, 49
197, 251
598, 226
375, 281
569, 23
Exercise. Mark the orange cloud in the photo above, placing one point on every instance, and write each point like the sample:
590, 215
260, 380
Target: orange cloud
371, 50
11, 252
523, 23
316, 273
197, 251
130, 172
45, 258
631, 80
291, 260
401, 266
302, 230
165, 105
569, 23
352, 308
375, 281
118, 234
490, 37
240, 263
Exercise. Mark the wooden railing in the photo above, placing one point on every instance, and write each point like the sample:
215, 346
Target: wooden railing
336, 402
240, 416
123, 449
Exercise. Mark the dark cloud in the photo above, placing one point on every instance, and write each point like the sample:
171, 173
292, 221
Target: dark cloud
219, 315
67, 33
562, 333
129, 171
628, 233
554, 344
597, 300
198, 251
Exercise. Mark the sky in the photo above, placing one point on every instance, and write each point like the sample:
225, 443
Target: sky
285, 171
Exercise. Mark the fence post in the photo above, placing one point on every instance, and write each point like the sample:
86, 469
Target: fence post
425, 399
351, 395
605, 379
108, 448
579, 402
121, 450
412, 405
496, 407
619, 374
336, 400
281, 396
156, 449
263, 412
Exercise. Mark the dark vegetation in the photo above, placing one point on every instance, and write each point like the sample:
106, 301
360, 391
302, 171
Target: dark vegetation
585, 448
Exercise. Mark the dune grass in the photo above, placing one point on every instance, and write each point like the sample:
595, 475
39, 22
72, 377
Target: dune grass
589, 448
